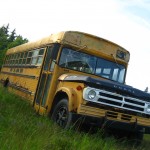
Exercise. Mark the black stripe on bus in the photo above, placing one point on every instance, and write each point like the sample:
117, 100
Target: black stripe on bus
21, 75
23, 66
25, 90
21, 89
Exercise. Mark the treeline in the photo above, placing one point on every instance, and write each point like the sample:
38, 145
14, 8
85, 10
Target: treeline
9, 39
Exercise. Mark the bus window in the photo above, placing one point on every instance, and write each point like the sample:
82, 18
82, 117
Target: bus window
41, 52
34, 60
34, 57
37, 57
21, 58
48, 56
24, 58
39, 61
22, 55
18, 56
29, 58
28, 61
77, 61
40, 57
46, 89
110, 70
82, 62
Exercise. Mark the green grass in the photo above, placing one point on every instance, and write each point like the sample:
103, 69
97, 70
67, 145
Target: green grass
22, 129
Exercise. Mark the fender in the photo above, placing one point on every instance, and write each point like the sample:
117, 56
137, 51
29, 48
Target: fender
72, 97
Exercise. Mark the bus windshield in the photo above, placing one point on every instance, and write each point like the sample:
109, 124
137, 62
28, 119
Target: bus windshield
86, 63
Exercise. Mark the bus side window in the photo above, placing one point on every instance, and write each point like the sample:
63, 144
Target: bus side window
24, 58
48, 56
28, 61
34, 57
40, 57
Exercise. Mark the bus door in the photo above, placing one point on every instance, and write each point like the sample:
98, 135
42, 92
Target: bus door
45, 78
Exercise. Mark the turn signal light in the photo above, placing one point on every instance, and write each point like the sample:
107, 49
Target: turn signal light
79, 88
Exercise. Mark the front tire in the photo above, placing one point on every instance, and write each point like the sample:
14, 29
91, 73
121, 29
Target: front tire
61, 114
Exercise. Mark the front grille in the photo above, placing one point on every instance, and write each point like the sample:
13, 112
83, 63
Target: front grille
121, 101
116, 100
133, 107
135, 102
109, 102
116, 97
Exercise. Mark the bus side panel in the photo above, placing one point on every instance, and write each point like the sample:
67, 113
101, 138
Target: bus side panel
23, 84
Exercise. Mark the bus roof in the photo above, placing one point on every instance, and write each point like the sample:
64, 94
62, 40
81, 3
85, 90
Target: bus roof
36, 44
75, 38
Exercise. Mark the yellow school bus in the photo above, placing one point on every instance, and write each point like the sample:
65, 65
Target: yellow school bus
74, 76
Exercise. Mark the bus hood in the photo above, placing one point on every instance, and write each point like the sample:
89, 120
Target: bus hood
108, 85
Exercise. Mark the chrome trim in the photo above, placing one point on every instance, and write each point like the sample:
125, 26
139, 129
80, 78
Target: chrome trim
116, 100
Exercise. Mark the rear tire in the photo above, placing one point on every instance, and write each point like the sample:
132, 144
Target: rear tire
61, 115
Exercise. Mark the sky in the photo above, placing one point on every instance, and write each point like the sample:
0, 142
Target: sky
125, 22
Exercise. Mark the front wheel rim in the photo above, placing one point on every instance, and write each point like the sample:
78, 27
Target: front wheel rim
62, 116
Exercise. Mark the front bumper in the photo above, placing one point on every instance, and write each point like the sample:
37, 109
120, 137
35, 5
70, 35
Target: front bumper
113, 119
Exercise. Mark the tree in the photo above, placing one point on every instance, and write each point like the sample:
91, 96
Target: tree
9, 39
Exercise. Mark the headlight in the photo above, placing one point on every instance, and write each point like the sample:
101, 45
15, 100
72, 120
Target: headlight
148, 108
91, 94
